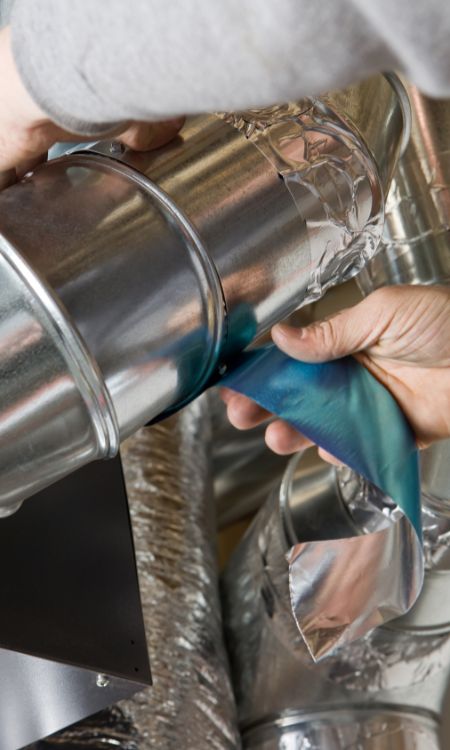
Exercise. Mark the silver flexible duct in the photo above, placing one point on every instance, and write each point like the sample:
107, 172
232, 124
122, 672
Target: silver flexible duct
383, 693
128, 281
167, 472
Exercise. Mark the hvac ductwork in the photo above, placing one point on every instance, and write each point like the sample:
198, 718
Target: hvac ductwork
190, 704
384, 692
128, 281
416, 243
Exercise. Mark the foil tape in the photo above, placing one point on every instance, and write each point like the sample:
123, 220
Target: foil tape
341, 589
191, 704
284, 698
326, 165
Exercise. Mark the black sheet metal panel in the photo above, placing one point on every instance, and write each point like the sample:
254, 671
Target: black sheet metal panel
39, 697
68, 583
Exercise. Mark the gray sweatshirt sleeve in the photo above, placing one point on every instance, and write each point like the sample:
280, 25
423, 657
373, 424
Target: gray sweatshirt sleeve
92, 62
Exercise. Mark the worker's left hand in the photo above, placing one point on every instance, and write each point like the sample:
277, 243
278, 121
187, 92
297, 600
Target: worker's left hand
26, 133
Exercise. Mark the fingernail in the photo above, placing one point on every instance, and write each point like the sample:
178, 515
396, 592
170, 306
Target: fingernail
225, 394
284, 331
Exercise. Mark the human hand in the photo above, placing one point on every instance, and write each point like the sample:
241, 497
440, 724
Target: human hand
26, 133
400, 333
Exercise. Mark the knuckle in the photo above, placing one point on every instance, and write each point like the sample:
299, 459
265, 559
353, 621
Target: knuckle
328, 336
138, 136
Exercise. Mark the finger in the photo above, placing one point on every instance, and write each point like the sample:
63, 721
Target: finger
329, 458
244, 413
226, 394
284, 439
7, 178
144, 136
349, 331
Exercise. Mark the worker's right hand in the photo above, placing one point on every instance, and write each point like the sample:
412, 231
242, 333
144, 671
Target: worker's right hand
401, 334
26, 133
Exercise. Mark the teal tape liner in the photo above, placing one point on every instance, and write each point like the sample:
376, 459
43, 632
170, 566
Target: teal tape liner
342, 408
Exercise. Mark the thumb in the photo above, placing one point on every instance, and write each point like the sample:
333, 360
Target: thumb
347, 332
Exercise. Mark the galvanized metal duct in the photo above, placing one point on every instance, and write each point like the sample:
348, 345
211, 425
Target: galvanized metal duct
191, 704
128, 281
383, 693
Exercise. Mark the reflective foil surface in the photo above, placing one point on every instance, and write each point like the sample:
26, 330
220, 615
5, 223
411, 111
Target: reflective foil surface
332, 179
383, 692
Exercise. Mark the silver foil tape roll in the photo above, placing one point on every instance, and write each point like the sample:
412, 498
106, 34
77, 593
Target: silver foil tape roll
190, 705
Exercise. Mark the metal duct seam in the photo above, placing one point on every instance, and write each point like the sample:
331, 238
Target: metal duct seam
214, 298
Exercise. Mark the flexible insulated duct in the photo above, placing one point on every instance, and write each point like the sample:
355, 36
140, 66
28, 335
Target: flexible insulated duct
191, 704
384, 692
128, 281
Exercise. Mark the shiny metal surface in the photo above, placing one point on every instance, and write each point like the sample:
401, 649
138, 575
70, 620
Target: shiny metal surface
130, 277
55, 413
431, 612
416, 246
378, 99
384, 691
339, 590
344, 730
311, 502
167, 469
435, 465
162, 266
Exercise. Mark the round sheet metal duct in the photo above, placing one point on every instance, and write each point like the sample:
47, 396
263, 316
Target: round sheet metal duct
128, 280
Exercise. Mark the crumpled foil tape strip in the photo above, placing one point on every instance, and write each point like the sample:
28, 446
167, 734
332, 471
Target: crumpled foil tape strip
191, 703
341, 589
312, 148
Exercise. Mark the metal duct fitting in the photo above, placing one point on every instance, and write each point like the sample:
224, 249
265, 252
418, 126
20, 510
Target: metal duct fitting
128, 281
384, 692
191, 704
